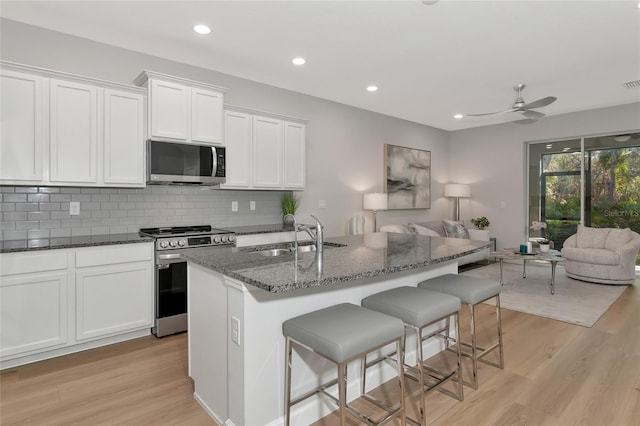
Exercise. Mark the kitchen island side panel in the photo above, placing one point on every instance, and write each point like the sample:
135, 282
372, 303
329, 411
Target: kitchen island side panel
255, 368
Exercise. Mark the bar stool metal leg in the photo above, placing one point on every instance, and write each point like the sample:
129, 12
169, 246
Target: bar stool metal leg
472, 292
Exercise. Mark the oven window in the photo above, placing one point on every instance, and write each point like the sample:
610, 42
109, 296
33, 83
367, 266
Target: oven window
172, 290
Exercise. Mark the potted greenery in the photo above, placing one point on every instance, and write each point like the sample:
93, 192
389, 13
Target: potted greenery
289, 206
480, 233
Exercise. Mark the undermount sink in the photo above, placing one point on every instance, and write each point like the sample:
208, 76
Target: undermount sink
275, 252
304, 248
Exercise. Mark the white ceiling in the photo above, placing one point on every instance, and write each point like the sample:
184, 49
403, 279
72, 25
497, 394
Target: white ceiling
429, 62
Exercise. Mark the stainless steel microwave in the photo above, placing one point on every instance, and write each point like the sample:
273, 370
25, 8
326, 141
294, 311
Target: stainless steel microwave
185, 163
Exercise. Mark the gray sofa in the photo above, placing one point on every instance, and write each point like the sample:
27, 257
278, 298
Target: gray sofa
436, 228
602, 255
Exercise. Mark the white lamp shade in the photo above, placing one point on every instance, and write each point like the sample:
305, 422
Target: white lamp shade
457, 190
375, 201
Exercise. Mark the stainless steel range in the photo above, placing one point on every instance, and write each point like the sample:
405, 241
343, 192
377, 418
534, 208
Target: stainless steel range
171, 271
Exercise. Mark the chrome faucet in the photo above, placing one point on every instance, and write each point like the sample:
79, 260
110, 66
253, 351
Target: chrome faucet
317, 237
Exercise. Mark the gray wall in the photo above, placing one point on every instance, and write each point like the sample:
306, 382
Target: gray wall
344, 144
344, 150
491, 159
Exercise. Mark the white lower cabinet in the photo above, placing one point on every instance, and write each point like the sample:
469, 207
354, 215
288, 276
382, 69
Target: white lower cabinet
34, 294
114, 290
56, 302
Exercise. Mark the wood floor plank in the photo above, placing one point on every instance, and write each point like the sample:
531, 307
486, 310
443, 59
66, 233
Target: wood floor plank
555, 374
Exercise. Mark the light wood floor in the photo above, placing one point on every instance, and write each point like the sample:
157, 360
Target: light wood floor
556, 374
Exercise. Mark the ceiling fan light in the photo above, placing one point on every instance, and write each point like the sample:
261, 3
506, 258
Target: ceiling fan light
622, 138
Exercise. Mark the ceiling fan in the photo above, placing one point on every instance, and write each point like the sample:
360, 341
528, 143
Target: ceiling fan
519, 105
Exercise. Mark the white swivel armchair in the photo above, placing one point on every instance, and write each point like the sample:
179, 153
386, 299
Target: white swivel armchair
602, 255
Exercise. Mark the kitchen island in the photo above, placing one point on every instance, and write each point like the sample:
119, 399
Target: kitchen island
238, 299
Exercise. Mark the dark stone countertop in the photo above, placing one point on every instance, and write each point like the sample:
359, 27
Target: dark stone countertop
364, 256
12, 246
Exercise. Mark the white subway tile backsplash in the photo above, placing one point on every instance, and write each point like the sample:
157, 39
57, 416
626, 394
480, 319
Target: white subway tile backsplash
49, 206
27, 207
61, 232
117, 210
14, 198
57, 198
38, 215
38, 233
80, 232
14, 216
26, 189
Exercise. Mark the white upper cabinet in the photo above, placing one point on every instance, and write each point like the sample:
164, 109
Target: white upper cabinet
123, 130
59, 129
264, 150
207, 111
294, 155
184, 110
267, 152
169, 109
73, 133
21, 140
238, 139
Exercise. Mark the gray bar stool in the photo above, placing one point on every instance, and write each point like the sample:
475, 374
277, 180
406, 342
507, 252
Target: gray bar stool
340, 334
472, 291
418, 309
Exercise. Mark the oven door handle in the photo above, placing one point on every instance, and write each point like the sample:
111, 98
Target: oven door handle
165, 260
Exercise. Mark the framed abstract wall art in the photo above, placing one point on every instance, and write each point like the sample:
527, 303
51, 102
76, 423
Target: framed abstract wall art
407, 177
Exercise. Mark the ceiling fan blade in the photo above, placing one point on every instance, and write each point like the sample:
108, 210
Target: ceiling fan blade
533, 115
540, 103
525, 121
490, 113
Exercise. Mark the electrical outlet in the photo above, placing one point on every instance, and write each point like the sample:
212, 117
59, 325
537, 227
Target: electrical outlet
234, 206
322, 204
74, 208
252, 205
503, 204
235, 330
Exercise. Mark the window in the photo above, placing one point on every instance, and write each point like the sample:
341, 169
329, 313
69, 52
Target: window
594, 180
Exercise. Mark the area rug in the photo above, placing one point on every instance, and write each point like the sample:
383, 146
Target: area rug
574, 301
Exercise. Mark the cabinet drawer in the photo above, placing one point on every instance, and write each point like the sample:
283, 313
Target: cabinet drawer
23, 263
94, 256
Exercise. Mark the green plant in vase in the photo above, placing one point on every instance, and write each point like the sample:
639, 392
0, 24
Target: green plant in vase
481, 222
289, 207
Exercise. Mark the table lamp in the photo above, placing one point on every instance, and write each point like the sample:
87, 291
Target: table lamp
375, 201
457, 191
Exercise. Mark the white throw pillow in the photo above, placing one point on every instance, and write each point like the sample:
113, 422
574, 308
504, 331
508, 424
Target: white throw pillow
454, 229
423, 230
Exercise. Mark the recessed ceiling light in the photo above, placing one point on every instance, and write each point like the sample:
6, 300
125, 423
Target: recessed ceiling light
372, 88
202, 29
298, 61
458, 116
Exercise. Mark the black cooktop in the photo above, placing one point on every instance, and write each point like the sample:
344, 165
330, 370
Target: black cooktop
181, 230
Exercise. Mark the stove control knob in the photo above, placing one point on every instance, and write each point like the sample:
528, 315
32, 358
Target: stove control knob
173, 243
225, 238
216, 240
232, 238
164, 244
182, 243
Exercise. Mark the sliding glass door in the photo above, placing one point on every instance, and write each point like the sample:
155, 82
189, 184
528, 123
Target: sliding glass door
594, 181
